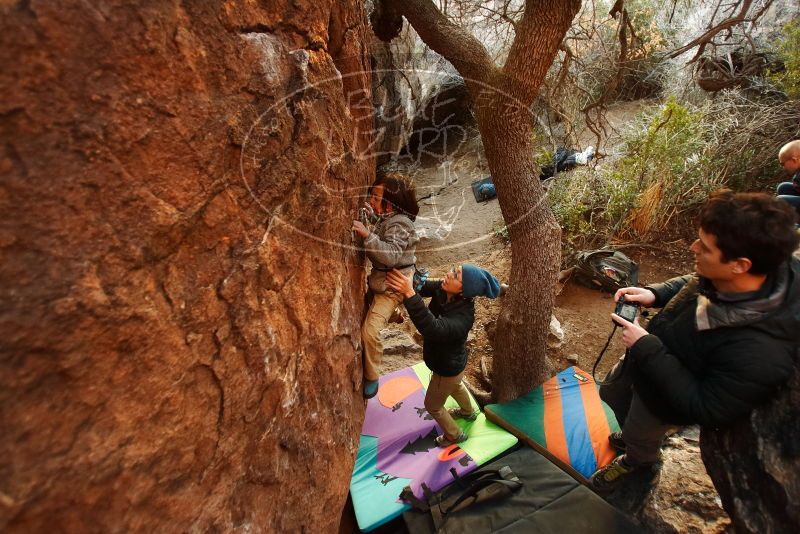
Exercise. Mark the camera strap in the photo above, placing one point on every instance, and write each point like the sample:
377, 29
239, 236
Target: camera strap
600, 357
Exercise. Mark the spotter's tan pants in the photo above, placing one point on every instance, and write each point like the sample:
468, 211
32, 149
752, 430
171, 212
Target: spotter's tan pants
439, 389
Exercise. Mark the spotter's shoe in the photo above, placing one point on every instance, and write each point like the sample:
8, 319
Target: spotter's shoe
444, 442
606, 479
456, 413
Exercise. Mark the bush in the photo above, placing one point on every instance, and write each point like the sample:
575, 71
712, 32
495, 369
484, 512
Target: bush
672, 158
788, 50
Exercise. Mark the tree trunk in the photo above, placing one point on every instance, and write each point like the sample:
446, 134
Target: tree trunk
502, 99
521, 338
755, 465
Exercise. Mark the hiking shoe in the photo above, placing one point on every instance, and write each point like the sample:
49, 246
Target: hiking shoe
616, 441
444, 442
456, 413
606, 479
370, 388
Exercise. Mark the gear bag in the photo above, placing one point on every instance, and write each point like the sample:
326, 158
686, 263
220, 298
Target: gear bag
477, 487
605, 269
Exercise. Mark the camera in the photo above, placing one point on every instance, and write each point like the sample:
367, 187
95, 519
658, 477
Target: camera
626, 310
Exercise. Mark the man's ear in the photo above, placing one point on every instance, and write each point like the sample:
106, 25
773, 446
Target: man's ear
741, 265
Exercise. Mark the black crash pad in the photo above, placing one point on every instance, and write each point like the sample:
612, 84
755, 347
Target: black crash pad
550, 501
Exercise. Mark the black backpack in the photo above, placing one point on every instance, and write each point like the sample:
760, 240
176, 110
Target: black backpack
604, 269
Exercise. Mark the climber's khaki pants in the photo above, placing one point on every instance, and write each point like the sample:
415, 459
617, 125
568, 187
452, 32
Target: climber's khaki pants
439, 389
383, 304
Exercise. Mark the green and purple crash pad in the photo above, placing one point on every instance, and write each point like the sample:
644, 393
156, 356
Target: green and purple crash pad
397, 448
565, 420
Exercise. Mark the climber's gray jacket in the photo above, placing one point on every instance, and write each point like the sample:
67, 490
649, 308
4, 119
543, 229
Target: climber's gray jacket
711, 357
391, 244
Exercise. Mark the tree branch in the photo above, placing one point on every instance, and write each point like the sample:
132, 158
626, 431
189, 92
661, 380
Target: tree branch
726, 24
533, 49
456, 45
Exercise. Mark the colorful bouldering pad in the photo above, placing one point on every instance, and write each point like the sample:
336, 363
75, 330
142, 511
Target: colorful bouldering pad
397, 448
565, 420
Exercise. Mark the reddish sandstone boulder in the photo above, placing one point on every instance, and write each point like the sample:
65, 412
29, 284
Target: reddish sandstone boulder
180, 303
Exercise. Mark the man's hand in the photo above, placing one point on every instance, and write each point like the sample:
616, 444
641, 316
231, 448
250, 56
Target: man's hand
643, 296
402, 284
360, 229
631, 331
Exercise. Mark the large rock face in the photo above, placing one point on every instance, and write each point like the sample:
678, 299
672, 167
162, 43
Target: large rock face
180, 304
755, 465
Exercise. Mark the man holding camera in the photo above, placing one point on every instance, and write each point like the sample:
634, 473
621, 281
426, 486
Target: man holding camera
725, 337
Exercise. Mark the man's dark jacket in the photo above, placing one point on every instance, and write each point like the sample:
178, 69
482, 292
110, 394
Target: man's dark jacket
444, 327
712, 357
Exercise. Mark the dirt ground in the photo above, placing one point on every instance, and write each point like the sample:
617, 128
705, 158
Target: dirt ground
583, 313
454, 228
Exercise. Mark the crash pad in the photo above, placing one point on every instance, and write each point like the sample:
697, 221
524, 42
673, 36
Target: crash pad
549, 501
397, 448
565, 420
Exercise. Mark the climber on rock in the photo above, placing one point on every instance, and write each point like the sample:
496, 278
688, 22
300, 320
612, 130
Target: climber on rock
391, 244
724, 339
444, 326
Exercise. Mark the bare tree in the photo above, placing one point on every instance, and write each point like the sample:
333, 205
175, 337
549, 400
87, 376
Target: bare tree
502, 98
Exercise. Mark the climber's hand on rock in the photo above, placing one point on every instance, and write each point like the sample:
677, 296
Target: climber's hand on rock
402, 284
360, 229
369, 211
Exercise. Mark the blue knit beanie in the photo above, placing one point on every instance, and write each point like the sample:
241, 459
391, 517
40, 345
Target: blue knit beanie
477, 282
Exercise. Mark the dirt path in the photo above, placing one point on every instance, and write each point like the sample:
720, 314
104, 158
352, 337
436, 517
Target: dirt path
454, 228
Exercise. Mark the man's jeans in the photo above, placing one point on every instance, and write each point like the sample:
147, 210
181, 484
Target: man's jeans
789, 193
642, 431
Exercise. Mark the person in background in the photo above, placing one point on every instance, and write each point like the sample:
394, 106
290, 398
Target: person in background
789, 156
444, 326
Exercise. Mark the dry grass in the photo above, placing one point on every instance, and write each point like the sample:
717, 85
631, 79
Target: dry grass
644, 216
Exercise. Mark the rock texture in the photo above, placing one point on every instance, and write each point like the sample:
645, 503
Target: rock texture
755, 465
679, 497
179, 302
397, 92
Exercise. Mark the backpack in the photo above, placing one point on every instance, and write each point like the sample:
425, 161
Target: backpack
519, 493
563, 160
604, 269
474, 488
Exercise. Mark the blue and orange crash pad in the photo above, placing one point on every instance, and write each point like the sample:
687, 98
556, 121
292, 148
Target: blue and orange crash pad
397, 448
565, 420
